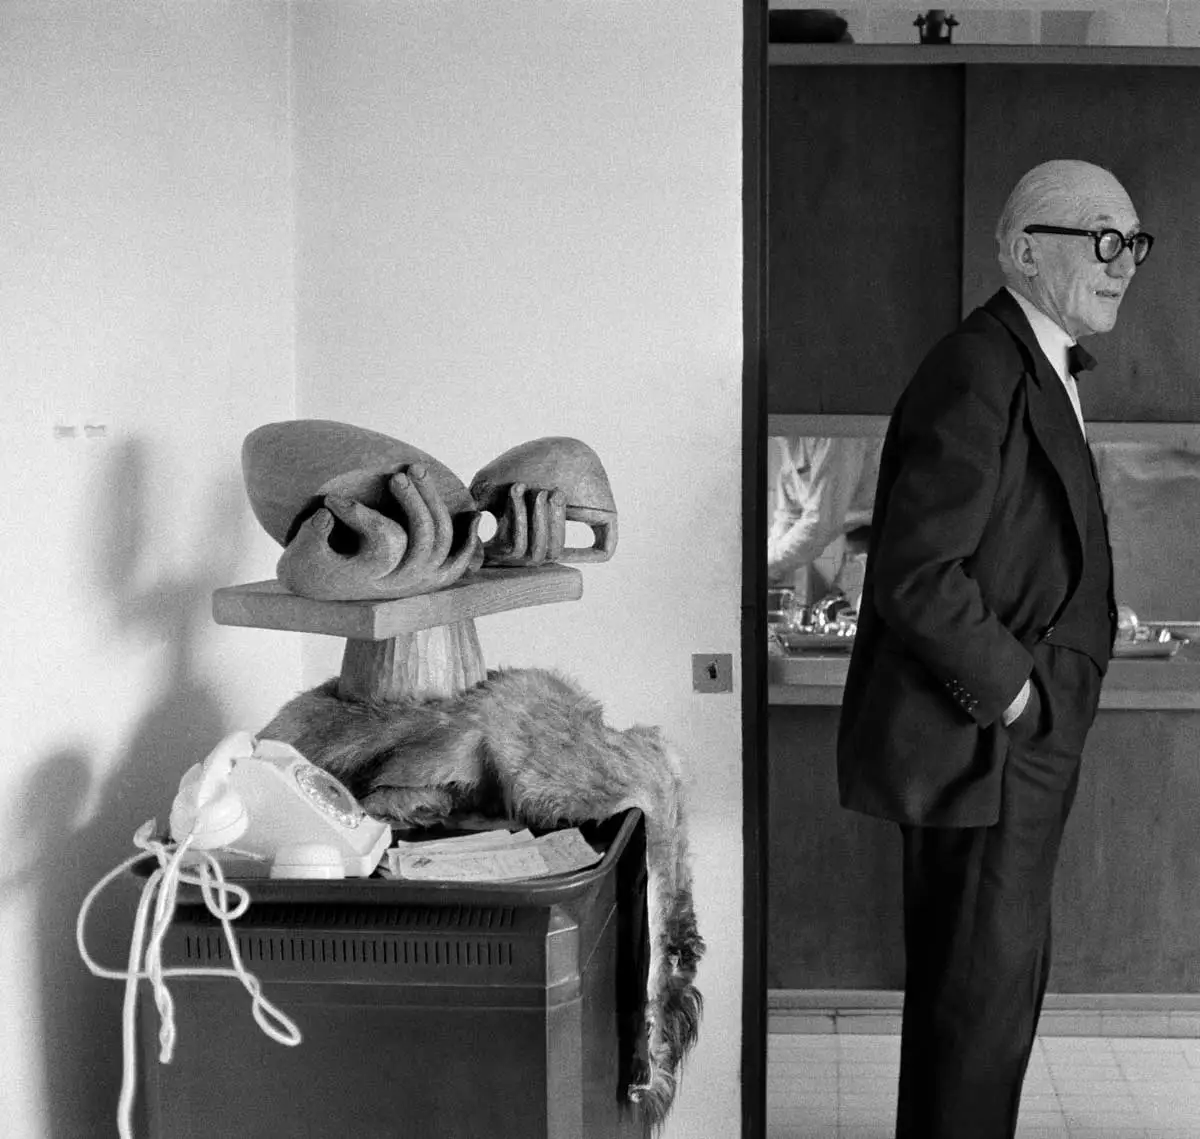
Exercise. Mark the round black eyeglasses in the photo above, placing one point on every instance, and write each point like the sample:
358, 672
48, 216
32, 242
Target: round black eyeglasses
1110, 243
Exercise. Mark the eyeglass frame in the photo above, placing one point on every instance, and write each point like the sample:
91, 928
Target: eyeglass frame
1096, 235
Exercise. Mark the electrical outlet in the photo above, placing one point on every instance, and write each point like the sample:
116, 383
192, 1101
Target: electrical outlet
712, 672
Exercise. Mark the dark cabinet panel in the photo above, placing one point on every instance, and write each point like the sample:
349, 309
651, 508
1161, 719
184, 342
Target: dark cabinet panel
833, 901
1126, 895
1141, 123
864, 231
1127, 891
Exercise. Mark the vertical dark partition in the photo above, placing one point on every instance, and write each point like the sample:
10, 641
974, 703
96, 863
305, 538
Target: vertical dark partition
754, 572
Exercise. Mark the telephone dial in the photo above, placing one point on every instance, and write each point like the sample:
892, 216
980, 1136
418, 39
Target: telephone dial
262, 809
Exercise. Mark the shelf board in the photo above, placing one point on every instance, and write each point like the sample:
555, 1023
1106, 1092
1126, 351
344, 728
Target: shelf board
268, 605
1132, 685
824, 55
1183, 435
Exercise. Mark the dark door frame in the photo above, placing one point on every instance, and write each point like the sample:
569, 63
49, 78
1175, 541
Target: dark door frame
754, 569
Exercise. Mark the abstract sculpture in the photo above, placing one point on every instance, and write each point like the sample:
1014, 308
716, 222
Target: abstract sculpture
363, 516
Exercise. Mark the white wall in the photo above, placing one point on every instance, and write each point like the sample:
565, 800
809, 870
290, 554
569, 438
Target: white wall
523, 218
510, 220
145, 283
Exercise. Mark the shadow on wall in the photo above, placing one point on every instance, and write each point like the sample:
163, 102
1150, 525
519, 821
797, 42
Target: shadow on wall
81, 1014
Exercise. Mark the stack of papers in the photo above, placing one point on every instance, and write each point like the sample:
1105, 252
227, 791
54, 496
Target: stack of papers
490, 856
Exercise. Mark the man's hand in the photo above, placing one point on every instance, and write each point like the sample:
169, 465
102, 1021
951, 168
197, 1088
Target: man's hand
384, 558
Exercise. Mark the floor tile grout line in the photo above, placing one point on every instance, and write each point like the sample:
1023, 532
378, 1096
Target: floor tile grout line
1040, 1048
1067, 1071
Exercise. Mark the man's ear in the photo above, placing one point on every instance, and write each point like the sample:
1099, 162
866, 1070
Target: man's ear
1023, 255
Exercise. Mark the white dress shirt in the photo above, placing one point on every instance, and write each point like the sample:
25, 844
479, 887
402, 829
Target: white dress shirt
1054, 342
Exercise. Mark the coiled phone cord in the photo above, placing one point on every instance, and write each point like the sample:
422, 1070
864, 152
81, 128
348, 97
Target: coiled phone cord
226, 901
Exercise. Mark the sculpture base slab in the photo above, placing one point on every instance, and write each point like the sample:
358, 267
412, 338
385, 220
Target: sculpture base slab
268, 605
413, 647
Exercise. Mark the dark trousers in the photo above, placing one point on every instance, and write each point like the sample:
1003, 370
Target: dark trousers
977, 926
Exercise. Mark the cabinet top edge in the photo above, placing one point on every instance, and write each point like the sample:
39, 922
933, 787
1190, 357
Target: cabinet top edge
787, 55
1176, 434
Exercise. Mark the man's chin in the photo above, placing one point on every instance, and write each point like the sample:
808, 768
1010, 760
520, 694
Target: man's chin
1101, 322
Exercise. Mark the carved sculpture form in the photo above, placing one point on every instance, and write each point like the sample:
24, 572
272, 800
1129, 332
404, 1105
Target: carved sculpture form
364, 517
581, 494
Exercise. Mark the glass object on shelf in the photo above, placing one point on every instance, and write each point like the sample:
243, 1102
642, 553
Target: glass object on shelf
936, 26
834, 614
781, 607
830, 624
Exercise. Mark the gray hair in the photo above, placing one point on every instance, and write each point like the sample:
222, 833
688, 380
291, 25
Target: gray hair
1050, 194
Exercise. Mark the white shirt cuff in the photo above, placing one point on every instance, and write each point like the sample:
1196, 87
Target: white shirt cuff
1018, 705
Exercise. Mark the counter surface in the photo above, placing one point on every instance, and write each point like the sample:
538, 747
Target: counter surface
818, 678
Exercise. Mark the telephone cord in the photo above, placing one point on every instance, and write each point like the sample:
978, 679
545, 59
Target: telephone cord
226, 901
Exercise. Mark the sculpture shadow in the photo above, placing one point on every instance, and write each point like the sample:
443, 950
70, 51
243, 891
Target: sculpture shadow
80, 824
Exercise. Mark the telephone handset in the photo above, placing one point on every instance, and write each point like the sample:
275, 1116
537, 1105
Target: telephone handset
206, 807
262, 808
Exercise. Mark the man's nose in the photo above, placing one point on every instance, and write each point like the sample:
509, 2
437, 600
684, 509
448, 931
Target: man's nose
1123, 266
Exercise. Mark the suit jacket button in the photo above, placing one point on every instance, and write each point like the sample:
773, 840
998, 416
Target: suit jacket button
1047, 632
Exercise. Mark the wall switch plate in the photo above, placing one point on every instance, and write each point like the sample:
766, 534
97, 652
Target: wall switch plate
712, 672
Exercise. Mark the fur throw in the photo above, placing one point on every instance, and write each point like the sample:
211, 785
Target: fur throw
531, 744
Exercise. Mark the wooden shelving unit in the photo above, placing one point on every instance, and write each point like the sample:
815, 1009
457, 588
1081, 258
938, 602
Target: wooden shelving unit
880, 55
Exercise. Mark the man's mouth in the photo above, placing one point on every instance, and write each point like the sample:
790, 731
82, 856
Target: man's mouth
1109, 294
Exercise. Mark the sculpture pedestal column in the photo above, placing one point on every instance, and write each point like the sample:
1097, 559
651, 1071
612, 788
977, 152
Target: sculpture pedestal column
421, 665
413, 647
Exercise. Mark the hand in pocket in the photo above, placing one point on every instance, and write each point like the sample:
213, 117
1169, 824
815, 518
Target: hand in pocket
1026, 725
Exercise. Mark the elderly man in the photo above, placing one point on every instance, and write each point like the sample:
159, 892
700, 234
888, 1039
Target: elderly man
985, 630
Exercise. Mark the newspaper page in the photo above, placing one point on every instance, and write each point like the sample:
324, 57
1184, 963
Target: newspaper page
502, 857
462, 843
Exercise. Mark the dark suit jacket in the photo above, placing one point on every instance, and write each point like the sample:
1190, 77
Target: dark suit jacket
976, 546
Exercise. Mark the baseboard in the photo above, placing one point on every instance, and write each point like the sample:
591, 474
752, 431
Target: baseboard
877, 1012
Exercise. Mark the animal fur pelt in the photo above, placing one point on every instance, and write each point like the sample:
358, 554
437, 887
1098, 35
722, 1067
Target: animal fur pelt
533, 743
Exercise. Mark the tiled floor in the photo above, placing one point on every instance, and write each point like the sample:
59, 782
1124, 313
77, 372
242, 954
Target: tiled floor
843, 1086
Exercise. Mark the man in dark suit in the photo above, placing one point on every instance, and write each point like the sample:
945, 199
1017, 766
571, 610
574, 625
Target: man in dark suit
985, 630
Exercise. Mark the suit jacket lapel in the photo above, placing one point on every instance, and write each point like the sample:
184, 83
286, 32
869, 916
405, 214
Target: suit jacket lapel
1051, 417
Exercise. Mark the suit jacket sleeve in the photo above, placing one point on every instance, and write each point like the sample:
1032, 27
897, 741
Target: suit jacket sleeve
950, 430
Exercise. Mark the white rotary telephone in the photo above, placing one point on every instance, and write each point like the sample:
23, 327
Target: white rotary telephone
253, 808
263, 809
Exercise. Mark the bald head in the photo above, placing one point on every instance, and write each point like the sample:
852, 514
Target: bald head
1061, 274
1061, 192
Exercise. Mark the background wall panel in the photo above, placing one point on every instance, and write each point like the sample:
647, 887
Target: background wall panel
864, 223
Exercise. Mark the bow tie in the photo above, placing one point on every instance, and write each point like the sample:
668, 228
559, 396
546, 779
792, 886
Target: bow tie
1079, 360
